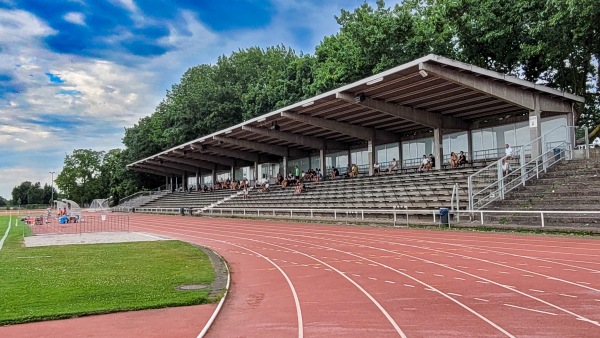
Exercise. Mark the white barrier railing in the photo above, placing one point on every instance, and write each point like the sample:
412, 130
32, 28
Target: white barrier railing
397, 215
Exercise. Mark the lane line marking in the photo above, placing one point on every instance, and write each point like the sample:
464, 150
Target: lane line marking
482, 282
530, 276
504, 272
458, 278
534, 290
533, 310
586, 283
408, 285
372, 278
481, 299
421, 272
482, 269
438, 275
567, 269
565, 295
6, 233
389, 281
454, 294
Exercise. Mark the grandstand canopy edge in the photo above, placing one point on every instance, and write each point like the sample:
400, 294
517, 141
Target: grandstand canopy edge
412, 109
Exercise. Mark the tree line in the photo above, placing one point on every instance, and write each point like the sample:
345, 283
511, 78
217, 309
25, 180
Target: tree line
553, 42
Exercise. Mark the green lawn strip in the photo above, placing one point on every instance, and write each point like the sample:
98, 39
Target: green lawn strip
78, 280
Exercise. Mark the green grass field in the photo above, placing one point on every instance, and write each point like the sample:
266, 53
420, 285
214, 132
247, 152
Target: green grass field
67, 281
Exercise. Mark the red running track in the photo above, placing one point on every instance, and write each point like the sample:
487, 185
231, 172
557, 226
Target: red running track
294, 280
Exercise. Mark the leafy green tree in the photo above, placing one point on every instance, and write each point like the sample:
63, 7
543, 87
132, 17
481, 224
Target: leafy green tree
79, 177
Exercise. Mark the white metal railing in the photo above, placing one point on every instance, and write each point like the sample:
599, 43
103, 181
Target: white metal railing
488, 184
455, 201
394, 215
507, 182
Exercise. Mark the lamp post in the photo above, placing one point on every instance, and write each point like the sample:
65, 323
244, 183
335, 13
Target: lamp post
52, 188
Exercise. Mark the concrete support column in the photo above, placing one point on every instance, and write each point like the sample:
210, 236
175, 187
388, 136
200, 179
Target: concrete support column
535, 129
214, 176
571, 129
470, 151
438, 144
349, 157
285, 166
197, 179
233, 173
184, 181
371, 155
322, 162
400, 155
166, 182
176, 183
256, 174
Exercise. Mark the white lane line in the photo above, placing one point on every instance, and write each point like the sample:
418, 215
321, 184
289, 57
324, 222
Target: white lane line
421, 272
389, 281
586, 283
544, 267
481, 299
458, 278
482, 269
355, 275
565, 295
482, 282
530, 276
570, 269
533, 310
6, 233
408, 285
454, 294
504, 272
462, 267
372, 278
438, 275
534, 290
373, 264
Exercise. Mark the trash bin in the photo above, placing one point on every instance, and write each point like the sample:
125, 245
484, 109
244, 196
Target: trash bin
444, 216
181, 211
558, 154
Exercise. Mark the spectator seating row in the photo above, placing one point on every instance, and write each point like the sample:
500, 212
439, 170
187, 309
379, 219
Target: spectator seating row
192, 199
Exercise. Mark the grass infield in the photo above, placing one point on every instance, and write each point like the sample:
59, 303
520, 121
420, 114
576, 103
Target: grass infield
43, 283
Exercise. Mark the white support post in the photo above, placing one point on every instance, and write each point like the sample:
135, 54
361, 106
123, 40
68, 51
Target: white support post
587, 143
542, 217
500, 179
523, 169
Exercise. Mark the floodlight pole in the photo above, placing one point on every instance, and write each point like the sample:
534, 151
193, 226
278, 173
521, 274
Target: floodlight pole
52, 188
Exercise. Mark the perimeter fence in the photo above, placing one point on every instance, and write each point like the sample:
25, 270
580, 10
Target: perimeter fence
43, 225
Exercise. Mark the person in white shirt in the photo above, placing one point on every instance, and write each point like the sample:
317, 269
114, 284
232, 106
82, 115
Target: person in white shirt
393, 165
376, 168
508, 152
425, 164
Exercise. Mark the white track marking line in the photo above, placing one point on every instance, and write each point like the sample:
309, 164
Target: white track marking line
530, 276
454, 294
482, 269
420, 272
534, 290
381, 264
570, 270
389, 281
6, 233
372, 278
504, 272
565, 295
458, 278
408, 285
438, 275
379, 306
481, 299
586, 283
481, 281
533, 310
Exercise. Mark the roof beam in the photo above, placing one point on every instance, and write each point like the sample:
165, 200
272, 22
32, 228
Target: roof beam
244, 155
169, 171
511, 94
363, 133
150, 171
263, 147
419, 116
303, 140
193, 163
223, 160
182, 167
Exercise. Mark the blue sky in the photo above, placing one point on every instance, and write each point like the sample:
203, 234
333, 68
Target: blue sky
74, 73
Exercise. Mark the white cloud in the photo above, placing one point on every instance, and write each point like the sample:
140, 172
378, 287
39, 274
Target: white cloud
75, 17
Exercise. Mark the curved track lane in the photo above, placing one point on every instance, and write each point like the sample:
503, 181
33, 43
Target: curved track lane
294, 280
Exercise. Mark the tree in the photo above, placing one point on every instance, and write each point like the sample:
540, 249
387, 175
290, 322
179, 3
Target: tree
79, 177
3, 202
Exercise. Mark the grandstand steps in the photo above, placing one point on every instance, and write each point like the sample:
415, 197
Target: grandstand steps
570, 186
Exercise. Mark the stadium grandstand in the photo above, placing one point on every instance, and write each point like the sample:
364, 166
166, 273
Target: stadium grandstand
394, 133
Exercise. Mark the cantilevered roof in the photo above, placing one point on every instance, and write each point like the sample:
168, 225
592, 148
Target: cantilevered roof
430, 92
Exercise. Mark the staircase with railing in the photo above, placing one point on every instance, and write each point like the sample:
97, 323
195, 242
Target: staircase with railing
492, 183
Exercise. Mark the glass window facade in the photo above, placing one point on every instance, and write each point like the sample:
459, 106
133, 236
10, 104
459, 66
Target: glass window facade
385, 153
338, 159
360, 156
415, 149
